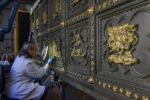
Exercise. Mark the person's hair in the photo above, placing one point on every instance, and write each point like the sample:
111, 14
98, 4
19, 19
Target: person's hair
24, 50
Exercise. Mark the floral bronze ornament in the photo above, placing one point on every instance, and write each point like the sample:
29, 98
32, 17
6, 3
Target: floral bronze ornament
121, 42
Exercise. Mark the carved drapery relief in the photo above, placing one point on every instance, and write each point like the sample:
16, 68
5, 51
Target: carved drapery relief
121, 42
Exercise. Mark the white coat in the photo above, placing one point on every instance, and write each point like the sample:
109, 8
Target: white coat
20, 83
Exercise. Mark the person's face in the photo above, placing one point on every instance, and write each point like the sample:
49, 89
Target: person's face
33, 51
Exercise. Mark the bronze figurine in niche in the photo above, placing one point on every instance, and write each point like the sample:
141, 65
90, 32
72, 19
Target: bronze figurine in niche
121, 42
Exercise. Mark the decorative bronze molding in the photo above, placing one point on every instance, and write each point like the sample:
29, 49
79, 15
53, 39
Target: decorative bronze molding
78, 75
74, 2
87, 13
114, 88
91, 10
106, 4
79, 17
91, 79
128, 93
61, 25
121, 42
123, 91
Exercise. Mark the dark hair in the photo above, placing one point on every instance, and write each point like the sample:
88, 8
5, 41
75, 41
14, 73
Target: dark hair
24, 51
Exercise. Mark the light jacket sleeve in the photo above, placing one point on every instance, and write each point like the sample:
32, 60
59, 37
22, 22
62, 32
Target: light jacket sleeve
36, 71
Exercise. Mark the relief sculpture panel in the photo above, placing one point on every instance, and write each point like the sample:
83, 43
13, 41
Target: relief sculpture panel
121, 42
56, 47
124, 46
78, 47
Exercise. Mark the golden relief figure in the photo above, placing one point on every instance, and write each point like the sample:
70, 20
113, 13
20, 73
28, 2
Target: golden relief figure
121, 42
55, 50
76, 46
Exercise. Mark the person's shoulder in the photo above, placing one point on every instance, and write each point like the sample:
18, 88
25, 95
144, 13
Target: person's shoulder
29, 60
23, 58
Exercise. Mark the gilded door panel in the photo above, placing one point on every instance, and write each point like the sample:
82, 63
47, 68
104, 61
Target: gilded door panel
78, 48
123, 46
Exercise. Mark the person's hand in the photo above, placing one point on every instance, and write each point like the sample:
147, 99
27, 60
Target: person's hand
51, 60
